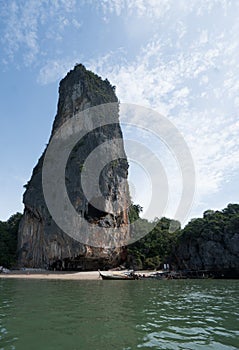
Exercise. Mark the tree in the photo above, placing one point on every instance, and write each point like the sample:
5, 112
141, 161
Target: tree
231, 209
134, 212
8, 240
156, 244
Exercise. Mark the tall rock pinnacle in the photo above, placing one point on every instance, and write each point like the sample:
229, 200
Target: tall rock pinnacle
43, 241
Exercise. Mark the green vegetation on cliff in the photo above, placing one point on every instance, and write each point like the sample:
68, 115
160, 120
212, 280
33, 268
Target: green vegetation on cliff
211, 243
213, 224
8, 240
155, 247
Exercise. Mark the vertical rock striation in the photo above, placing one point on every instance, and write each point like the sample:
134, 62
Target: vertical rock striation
41, 242
211, 243
217, 253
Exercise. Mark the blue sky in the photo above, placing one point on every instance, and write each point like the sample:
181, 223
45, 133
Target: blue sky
181, 58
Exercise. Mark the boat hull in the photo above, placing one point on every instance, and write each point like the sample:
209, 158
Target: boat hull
109, 276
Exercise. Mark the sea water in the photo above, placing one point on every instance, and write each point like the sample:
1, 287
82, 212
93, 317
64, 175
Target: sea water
143, 314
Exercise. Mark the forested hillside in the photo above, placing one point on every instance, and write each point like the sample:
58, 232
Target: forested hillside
8, 240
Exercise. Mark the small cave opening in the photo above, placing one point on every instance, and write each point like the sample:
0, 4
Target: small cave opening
94, 210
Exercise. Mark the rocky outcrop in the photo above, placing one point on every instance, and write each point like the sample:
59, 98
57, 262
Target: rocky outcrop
210, 244
41, 242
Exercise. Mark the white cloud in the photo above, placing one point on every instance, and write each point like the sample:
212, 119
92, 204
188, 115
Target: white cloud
196, 86
203, 37
21, 29
188, 70
27, 24
77, 24
55, 70
156, 9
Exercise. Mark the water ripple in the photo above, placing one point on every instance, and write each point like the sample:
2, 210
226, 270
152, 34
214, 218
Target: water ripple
124, 315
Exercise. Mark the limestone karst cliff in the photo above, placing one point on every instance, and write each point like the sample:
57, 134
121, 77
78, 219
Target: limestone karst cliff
42, 243
211, 243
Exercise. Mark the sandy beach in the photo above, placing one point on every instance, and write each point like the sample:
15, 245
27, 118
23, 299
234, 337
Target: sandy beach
86, 275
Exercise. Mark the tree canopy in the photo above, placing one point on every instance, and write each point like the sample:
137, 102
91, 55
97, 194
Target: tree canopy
156, 244
214, 222
8, 240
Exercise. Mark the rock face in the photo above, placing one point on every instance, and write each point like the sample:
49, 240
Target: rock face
217, 252
41, 242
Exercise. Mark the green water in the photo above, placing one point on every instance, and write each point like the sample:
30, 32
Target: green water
62, 315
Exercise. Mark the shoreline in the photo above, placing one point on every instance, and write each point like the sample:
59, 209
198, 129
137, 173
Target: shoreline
83, 275
95, 276
59, 275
